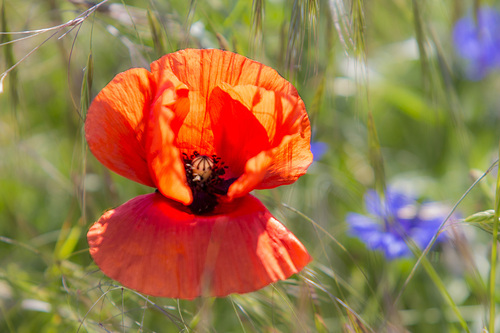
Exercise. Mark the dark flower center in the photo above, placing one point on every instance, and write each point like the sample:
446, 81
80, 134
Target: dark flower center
204, 177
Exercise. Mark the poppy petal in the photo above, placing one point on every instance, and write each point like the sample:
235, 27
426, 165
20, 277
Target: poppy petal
164, 159
203, 70
291, 157
153, 245
115, 124
195, 133
238, 133
263, 136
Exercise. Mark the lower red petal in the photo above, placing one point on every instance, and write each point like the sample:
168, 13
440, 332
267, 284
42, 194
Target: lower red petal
153, 245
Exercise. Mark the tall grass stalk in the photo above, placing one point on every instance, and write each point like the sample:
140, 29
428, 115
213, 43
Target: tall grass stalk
494, 247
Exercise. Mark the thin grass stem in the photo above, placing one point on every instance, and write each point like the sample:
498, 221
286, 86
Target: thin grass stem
494, 250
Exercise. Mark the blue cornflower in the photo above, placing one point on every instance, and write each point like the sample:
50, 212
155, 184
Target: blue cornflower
478, 42
392, 222
318, 149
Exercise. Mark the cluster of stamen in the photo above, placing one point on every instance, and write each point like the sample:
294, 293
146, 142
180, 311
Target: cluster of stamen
204, 177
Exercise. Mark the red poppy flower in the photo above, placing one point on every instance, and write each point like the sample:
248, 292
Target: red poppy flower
204, 127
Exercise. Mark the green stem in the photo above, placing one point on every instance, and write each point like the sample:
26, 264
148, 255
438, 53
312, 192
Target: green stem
494, 256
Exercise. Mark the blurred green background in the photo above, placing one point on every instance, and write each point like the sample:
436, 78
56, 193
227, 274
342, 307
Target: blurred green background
394, 59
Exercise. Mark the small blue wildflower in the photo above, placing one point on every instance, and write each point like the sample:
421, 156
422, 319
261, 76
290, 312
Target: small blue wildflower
478, 42
318, 149
392, 222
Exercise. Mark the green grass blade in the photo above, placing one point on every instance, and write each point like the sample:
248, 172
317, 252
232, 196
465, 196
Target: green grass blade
70, 242
419, 32
156, 34
442, 289
86, 91
494, 256
375, 153
9, 60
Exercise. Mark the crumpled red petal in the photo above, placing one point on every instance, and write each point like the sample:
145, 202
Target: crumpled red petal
164, 159
153, 245
264, 136
202, 71
115, 124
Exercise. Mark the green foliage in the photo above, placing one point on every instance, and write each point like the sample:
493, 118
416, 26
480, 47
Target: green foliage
384, 90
